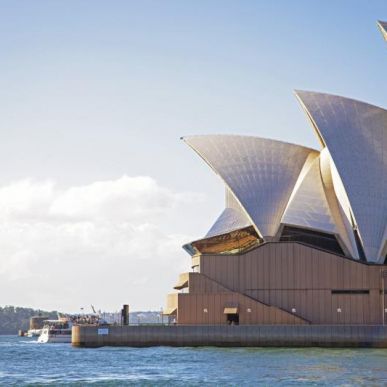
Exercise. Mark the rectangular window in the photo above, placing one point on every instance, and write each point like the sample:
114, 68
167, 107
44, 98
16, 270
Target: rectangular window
350, 291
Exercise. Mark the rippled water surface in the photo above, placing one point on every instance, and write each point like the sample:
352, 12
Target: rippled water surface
25, 362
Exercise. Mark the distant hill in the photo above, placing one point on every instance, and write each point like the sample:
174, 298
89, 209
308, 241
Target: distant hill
14, 318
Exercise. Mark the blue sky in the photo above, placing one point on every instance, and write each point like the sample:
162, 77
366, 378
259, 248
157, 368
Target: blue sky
112, 82
94, 90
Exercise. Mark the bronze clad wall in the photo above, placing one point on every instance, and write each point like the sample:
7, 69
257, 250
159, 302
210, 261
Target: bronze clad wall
295, 278
208, 307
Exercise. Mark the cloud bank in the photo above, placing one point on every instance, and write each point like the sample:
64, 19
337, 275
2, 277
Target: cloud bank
105, 243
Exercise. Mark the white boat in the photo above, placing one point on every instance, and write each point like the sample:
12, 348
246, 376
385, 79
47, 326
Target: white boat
56, 331
34, 332
59, 331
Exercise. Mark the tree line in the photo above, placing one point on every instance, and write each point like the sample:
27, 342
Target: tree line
13, 318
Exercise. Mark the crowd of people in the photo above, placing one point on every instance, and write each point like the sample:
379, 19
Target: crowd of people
89, 319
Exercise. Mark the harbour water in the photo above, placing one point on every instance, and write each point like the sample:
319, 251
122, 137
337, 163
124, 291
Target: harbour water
25, 362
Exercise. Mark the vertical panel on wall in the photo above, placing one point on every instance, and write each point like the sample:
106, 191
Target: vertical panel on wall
342, 306
334, 310
203, 264
213, 271
230, 273
326, 301
264, 266
211, 267
253, 273
266, 314
271, 267
211, 316
316, 293
375, 277
197, 310
291, 284
255, 281
258, 258
321, 305
332, 283
315, 267
241, 261
286, 269
233, 277
307, 300
358, 275
356, 309
301, 279
340, 274
246, 271
346, 264
364, 312
322, 269
300, 269
375, 306
219, 305
365, 277
291, 263
347, 308
285, 290
226, 273
278, 266
237, 266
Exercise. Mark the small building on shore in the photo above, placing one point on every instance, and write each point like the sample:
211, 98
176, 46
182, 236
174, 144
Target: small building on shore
37, 322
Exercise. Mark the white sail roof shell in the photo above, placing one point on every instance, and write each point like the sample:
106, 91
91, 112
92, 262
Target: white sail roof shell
260, 173
232, 218
355, 134
337, 205
308, 206
383, 28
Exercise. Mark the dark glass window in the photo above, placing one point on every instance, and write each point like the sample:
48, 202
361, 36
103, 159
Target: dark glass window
313, 238
350, 291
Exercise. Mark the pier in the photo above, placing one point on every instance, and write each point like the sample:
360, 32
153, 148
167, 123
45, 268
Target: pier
231, 336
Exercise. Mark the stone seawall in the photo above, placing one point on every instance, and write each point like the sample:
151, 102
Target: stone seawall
232, 336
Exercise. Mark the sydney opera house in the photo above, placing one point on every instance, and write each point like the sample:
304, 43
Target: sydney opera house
303, 236
298, 256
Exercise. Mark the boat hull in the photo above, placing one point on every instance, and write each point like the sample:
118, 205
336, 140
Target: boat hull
54, 338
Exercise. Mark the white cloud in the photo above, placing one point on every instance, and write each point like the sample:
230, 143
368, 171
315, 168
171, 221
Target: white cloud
128, 198
25, 198
104, 243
